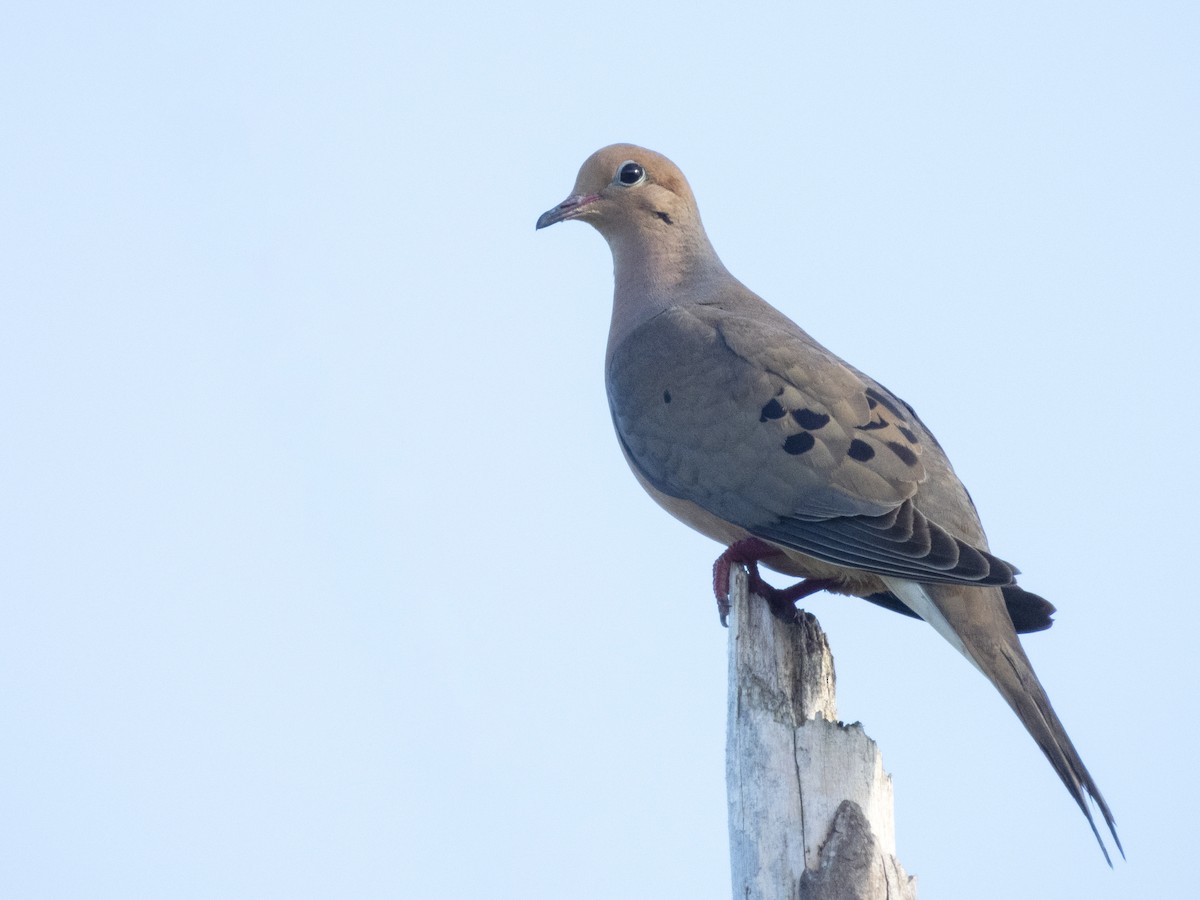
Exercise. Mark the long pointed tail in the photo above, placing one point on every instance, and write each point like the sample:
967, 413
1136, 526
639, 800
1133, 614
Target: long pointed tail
975, 621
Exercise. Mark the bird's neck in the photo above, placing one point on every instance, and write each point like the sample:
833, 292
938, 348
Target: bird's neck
652, 273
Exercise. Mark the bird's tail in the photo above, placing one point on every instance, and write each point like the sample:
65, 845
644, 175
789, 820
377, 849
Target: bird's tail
975, 621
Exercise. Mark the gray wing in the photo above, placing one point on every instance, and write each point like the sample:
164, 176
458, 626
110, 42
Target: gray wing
751, 419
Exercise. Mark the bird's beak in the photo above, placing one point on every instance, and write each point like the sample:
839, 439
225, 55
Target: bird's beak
568, 209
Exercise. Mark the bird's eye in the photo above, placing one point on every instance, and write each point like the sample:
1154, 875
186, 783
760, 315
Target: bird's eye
630, 173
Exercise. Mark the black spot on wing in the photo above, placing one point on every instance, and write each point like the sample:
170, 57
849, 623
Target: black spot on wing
884, 401
873, 425
810, 419
666, 396
773, 410
860, 450
912, 438
906, 455
799, 443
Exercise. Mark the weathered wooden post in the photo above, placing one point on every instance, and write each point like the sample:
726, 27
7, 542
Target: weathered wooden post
810, 807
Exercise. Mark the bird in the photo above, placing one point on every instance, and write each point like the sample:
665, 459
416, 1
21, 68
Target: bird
744, 427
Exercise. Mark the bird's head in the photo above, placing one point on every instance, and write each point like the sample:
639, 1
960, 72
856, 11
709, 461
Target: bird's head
624, 188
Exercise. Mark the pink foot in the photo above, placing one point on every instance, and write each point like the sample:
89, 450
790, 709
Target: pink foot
747, 553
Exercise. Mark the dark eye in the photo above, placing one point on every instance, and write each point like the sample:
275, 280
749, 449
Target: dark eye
630, 173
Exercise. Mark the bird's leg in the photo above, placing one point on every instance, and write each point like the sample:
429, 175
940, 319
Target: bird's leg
748, 552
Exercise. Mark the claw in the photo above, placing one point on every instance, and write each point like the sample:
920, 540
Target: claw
747, 553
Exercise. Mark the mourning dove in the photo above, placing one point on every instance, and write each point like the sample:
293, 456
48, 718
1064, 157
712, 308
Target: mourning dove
742, 426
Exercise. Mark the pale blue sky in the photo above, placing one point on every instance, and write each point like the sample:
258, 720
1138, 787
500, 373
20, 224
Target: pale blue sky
321, 574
